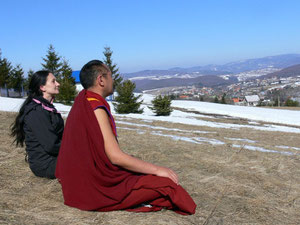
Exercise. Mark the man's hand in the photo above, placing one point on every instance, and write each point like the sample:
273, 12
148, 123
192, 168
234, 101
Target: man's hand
166, 172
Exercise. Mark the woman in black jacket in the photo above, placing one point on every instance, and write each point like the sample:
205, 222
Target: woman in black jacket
40, 125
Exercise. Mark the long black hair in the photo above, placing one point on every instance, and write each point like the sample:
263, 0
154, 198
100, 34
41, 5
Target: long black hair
37, 80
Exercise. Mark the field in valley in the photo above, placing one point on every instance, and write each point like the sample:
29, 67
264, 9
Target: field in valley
236, 175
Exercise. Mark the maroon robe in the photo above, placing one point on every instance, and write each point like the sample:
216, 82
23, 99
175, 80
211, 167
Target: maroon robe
91, 182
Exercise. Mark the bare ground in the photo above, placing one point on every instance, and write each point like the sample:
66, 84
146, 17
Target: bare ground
230, 185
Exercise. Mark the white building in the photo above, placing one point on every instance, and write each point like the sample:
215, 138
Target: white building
252, 100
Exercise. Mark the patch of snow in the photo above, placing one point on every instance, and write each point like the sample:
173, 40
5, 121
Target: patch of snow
287, 147
281, 128
79, 87
282, 146
163, 128
240, 139
253, 122
14, 104
11, 104
290, 117
260, 149
181, 117
252, 113
134, 129
210, 141
197, 140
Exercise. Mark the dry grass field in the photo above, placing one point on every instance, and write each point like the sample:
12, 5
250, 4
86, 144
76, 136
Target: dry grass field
229, 183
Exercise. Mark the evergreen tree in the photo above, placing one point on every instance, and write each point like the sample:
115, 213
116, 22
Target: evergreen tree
16, 79
63, 72
290, 102
5, 70
52, 61
67, 89
172, 97
276, 102
27, 80
126, 101
161, 105
223, 100
113, 67
216, 100
278, 97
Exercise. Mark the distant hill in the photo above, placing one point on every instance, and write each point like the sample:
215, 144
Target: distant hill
279, 61
172, 72
208, 81
291, 71
209, 75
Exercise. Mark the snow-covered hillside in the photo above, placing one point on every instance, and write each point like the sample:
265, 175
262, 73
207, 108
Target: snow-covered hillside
194, 113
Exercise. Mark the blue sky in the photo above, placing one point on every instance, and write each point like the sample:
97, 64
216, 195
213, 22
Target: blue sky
148, 34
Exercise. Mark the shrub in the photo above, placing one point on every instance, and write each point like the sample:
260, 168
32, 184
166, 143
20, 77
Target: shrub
126, 101
290, 102
161, 105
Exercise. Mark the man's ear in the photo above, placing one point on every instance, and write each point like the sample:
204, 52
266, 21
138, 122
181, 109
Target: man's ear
100, 80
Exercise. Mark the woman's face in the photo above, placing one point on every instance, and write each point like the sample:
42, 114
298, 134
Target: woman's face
51, 87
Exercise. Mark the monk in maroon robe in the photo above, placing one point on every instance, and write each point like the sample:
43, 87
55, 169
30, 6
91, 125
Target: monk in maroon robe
95, 173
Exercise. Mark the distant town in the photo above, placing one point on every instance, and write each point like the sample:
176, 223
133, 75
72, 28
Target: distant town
269, 91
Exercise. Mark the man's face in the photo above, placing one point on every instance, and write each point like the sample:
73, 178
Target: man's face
109, 83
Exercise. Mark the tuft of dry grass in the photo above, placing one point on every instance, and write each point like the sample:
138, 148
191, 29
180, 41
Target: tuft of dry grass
229, 185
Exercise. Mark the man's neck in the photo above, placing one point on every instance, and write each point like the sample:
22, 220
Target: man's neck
97, 91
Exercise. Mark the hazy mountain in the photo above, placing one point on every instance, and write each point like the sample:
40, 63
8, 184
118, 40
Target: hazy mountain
279, 61
207, 80
210, 75
173, 72
145, 73
291, 71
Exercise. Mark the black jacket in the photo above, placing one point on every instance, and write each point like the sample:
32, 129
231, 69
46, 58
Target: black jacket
43, 127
